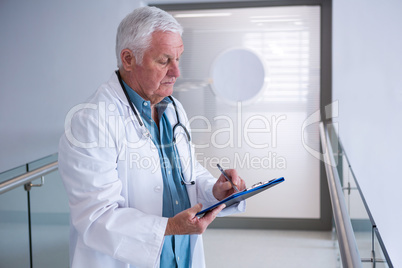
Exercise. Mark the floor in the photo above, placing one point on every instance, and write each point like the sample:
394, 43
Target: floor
223, 248
270, 248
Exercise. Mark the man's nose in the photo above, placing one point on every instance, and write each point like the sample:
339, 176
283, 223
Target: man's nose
174, 69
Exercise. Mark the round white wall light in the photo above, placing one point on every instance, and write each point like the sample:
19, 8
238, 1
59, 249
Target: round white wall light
238, 75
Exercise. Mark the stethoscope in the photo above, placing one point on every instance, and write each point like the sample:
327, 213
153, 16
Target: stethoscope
147, 134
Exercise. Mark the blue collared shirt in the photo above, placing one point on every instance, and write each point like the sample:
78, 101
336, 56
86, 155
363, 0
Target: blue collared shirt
176, 248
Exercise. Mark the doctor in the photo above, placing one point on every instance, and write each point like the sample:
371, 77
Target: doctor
127, 163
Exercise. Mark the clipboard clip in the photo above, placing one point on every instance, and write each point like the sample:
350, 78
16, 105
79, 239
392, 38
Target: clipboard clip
259, 184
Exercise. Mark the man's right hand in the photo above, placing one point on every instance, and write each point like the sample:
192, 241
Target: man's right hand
186, 222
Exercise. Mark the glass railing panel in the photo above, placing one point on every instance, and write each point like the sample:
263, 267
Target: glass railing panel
50, 223
49, 219
9, 174
370, 250
14, 239
360, 220
42, 162
338, 259
362, 231
379, 253
358, 215
369, 247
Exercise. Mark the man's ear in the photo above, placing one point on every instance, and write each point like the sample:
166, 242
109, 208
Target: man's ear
127, 59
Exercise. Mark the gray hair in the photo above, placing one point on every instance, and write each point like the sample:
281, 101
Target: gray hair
135, 30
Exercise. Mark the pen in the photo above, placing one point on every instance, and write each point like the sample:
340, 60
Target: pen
226, 176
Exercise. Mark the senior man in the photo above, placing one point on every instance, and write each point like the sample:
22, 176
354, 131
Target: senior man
127, 163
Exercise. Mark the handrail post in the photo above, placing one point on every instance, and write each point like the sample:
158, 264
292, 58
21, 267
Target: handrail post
29, 225
27, 188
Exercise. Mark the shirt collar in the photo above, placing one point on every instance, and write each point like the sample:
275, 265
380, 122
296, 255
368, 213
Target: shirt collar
143, 106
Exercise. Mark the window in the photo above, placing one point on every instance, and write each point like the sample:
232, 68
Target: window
261, 136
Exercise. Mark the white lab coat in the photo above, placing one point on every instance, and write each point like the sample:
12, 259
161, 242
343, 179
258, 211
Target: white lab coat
112, 176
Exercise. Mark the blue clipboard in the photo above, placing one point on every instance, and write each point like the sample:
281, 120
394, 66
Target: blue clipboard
243, 195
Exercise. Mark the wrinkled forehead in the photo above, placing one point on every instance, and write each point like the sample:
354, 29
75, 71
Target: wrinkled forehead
167, 42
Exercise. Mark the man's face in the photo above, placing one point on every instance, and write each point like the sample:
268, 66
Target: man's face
154, 79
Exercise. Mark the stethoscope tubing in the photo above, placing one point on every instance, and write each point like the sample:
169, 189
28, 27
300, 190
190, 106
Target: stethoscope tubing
178, 125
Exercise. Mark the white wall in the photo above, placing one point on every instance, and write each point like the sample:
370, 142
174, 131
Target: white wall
53, 55
367, 81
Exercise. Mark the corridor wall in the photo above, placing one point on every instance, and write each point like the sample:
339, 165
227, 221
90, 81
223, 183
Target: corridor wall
54, 55
367, 82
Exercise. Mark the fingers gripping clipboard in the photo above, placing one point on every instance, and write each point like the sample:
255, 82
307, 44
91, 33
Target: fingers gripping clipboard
243, 195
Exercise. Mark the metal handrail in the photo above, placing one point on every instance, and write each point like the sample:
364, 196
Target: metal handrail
347, 242
27, 177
